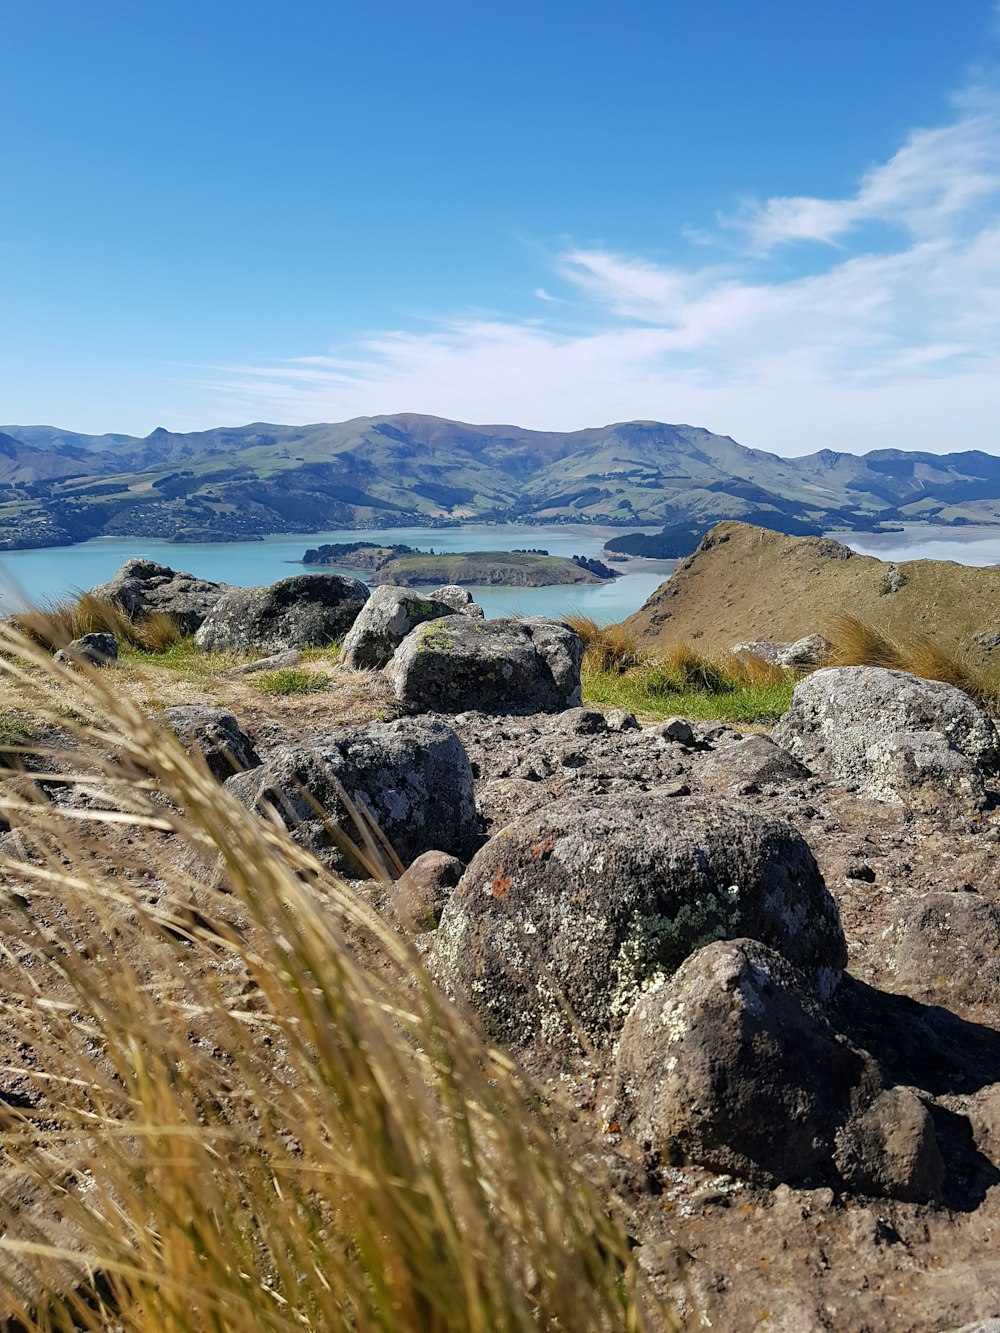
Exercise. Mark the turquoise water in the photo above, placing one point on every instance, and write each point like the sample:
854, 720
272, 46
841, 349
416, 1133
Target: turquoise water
966, 546
56, 572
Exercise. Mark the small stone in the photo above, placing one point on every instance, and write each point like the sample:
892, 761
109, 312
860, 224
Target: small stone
675, 729
619, 720
96, 650
419, 896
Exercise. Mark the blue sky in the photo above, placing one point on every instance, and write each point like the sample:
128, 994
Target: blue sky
779, 220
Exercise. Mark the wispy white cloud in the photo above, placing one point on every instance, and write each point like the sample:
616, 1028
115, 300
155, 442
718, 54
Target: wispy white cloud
894, 343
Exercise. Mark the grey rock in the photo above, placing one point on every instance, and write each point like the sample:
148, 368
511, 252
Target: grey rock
226, 747
892, 580
275, 662
674, 729
419, 896
459, 599
731, 1064
493, 666
142, 587
947, 949
809, 651
844, 720
620, 720
384, 622
412, 777
988, 639
981, 1326
305, 611
96, 650
589, 900
751, 763
931, 774
890, 1149
582, 722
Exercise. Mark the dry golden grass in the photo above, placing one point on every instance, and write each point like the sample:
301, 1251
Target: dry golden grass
56, 625
854, 642
607, 647
750, 669
235, 1100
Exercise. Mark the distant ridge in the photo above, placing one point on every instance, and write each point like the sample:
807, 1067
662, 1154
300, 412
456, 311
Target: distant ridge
58, 485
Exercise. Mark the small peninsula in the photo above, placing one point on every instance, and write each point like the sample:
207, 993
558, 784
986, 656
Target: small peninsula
410, 568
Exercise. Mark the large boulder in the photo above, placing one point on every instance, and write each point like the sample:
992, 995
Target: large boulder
384, 622
732, 1064
411, 776
580, 906
142, 587
492, 666
869, 726
216, 735
305, 611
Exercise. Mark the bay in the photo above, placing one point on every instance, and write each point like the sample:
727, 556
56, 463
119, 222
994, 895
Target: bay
53, 573
971, 545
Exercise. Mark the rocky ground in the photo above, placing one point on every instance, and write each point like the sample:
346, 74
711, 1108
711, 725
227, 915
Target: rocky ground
758, 972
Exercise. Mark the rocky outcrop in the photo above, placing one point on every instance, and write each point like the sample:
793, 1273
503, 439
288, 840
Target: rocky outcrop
584, 904
494, 666
216, 735
305, 611
412, 777
142, 587
896, 736
384, 622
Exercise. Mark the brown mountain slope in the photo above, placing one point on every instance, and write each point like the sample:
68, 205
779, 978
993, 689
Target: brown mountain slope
746, 583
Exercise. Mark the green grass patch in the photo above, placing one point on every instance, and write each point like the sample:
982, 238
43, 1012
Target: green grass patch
183, 658
290, 680
654, 691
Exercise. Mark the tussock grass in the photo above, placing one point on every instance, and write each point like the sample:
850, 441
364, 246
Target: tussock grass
57, 624
737, 688
607, 647
234, 1099
855, 642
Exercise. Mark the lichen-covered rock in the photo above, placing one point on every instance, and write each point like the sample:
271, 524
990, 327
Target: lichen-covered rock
459, 599
384, 622
305, 611
890, 1149
96, 650
492, 666
588, 901
845, 721
142, 587
947, 950
930, 773
226, 747
731, 1064
412, 777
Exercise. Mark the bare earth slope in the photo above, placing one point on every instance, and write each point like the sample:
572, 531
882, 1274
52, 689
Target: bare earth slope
747, 583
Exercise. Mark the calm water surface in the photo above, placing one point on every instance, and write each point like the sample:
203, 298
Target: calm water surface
56, 572
50, 574
966, 546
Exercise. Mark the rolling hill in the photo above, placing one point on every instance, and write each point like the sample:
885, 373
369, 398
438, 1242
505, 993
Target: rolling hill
230, 482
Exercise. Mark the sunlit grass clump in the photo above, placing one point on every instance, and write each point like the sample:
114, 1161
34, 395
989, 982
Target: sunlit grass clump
56, 625
855, 642
740, 687
233, 1097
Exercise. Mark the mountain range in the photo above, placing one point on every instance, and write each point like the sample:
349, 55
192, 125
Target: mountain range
59, 486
